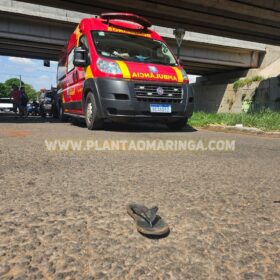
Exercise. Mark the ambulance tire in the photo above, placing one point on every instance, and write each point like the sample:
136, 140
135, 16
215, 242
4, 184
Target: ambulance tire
178, 125
93, 121
61, 114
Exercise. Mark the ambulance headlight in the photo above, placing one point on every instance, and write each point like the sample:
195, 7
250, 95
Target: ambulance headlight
185, 75
108, 67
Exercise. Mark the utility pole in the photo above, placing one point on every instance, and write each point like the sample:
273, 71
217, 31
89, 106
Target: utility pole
19, 81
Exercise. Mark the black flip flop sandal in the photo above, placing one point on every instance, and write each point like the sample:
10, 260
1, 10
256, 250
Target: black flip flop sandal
147, 221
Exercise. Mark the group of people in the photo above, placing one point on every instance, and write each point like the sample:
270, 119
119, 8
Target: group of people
20, 100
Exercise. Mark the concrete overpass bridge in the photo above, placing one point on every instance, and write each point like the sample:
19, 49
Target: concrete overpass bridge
36, 31
252, 20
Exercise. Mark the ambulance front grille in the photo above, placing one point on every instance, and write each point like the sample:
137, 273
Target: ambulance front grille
159, 93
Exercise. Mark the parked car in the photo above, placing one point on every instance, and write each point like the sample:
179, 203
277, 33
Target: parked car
6, 104
47, 103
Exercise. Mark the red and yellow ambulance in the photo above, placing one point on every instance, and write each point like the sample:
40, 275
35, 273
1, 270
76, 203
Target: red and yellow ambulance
116, 68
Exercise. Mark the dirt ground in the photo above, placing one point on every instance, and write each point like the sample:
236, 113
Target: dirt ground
63, 214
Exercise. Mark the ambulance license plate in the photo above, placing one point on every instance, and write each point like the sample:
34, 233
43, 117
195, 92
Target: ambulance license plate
160, 108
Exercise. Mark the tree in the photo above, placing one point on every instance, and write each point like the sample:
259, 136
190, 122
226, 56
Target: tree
13, 81
3, 90
30, 91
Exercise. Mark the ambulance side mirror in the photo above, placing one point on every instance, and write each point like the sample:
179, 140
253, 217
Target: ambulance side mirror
81, 58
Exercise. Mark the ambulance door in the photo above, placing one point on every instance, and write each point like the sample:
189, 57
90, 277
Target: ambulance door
78, 78
69, 84
61, 75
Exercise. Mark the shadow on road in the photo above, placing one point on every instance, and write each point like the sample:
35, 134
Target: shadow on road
134, 127
155, 237
110, 126
11, 118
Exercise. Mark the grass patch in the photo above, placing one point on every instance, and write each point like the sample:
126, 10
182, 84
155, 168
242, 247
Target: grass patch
245, 82
266, 120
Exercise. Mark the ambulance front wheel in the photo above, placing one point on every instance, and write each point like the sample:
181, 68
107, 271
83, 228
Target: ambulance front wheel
93, 121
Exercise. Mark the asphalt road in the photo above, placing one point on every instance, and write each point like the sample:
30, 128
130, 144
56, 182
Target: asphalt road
63, 213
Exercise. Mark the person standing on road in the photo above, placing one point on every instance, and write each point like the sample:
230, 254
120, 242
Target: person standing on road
16, 98
23, 103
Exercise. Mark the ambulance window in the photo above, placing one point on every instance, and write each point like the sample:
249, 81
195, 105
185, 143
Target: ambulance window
84, 43
132, 48
70, 64
61, 68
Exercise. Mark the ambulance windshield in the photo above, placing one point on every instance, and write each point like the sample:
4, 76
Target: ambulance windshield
132, 48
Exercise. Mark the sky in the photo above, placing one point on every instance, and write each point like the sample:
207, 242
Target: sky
33, 71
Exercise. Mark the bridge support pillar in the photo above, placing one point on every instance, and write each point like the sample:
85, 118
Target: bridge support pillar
224, 92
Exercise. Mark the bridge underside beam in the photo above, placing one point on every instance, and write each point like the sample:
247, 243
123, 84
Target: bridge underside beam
43, 38
32, 37
29, 49
251, 20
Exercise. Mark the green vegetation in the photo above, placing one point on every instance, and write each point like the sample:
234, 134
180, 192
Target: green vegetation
245, 82
266, 120
5, 88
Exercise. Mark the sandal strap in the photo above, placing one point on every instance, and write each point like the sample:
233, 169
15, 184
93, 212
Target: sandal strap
148, 215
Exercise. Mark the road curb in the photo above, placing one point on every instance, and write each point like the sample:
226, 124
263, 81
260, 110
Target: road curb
241, 129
